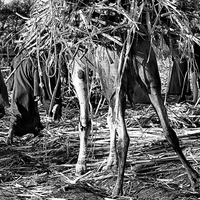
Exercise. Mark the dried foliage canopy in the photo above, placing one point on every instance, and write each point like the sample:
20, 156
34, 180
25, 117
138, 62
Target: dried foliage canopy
63, 27
76, 25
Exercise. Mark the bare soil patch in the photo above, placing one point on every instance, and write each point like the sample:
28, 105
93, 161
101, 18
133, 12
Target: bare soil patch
44, 168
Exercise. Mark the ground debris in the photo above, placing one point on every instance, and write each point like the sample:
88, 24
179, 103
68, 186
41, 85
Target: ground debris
44, 168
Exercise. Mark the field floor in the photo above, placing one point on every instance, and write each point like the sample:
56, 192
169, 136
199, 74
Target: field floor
44, 168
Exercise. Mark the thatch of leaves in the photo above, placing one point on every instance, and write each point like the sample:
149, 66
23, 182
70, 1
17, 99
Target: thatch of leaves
77, 24
82, 25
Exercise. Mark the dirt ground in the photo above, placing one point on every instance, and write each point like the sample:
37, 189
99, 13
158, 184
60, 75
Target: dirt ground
43, 168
